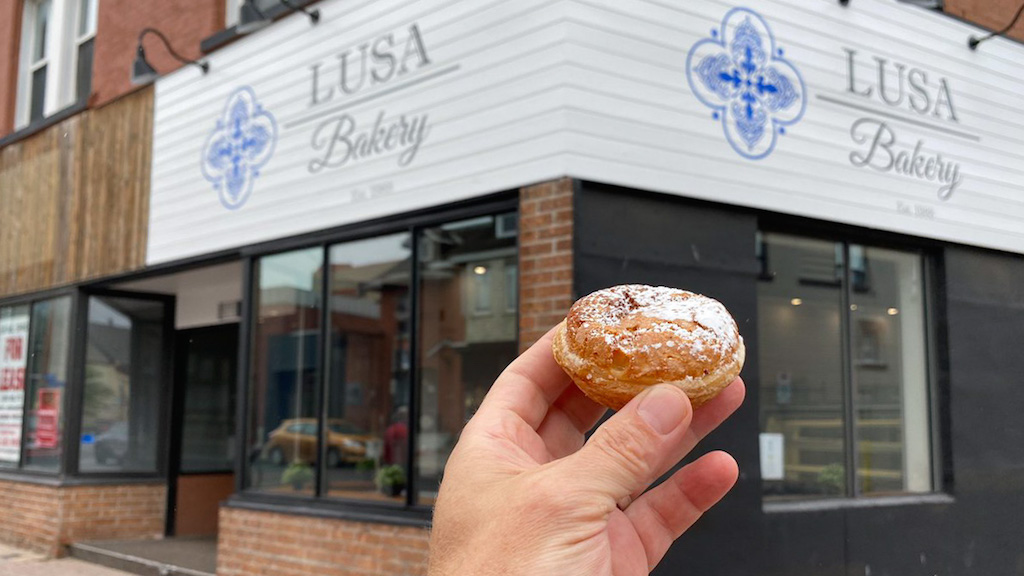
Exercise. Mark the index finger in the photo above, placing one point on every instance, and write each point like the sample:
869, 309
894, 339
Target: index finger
529, 385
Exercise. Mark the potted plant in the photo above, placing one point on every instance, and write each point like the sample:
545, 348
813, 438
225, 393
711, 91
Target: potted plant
832, 478
298, 474
391, 480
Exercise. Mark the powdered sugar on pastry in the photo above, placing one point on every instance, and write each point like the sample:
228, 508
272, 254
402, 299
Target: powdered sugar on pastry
628, 337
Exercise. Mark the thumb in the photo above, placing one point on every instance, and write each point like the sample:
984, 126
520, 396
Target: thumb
630, 450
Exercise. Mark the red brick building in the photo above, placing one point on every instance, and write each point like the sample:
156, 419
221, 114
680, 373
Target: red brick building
261, 299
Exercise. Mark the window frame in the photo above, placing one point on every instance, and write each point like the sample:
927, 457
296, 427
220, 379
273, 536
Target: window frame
61, 59
30, 300
410, 511
73, 427
929, 255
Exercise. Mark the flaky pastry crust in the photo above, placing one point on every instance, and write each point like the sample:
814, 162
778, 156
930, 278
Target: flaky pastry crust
616, 342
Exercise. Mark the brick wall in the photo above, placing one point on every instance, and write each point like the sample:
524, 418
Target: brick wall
112, 512
30, 516
184, 22
269, 544
10, 41
992, 14
48, 518
545, 258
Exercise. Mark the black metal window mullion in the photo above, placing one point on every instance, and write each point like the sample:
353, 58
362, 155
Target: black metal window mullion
931, 283
322, 361
76, 393
243, 386
414, 369
849, 409
25, 351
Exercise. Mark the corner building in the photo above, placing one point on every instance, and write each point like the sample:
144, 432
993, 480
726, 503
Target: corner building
249, 310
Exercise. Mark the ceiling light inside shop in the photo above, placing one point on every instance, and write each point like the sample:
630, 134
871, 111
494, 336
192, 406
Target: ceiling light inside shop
853, 307
796, 301
480, 270
893, 311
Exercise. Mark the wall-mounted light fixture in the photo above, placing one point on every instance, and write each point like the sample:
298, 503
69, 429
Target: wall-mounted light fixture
251, 18
931, 4
974, 41
144, 73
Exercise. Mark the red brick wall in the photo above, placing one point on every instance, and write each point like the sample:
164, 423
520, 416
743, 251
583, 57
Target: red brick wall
545, 258
48, 518
10, 39
30, 516
268, 544
112, 512
992, 14
184, 22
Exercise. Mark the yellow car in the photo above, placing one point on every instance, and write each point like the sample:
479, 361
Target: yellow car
295, 441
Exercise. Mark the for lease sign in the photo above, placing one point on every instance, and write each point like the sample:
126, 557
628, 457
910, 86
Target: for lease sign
13, 343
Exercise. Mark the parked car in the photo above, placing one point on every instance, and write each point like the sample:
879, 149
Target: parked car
295, 440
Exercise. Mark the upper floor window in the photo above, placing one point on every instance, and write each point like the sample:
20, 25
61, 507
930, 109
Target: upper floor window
845, 394
232, 7
55, 68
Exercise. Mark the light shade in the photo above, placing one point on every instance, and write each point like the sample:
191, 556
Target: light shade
936, 4
250, 19
142, 71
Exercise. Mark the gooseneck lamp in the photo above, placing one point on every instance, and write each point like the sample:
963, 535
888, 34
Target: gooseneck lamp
144, 73
251, 18
974, 41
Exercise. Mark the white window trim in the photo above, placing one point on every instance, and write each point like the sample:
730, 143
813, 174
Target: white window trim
60, 60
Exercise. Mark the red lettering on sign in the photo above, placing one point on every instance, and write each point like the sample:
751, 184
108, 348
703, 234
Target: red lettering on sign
13, 349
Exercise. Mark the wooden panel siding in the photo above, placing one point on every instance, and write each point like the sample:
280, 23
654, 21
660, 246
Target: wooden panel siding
74, 199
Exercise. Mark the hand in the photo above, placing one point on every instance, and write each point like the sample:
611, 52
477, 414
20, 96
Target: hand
523, 494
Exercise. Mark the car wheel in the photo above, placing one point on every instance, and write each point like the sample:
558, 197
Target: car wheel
333, 458
277, 457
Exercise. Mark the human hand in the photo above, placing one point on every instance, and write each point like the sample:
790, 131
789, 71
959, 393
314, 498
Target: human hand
523, 494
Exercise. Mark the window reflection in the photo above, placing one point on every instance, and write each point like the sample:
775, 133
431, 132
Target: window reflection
46, 382
284, 372
123, 385
367, 437
468, 331
844, 379
800, 343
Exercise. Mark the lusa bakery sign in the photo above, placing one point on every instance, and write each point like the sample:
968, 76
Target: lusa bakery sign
913, 97
755, 90
245, 133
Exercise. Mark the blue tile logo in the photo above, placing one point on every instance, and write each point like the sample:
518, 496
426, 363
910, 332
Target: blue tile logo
743, 77
239, 146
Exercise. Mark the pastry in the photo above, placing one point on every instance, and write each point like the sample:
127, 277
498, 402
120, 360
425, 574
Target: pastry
616, 342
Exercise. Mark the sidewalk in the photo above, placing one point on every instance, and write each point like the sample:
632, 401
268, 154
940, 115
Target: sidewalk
16, 562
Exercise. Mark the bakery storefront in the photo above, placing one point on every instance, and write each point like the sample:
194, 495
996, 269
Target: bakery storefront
356, 223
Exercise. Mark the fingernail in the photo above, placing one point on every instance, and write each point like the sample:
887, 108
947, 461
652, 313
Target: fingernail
663, 408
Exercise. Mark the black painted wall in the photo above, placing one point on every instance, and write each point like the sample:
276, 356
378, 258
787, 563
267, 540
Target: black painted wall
627, 236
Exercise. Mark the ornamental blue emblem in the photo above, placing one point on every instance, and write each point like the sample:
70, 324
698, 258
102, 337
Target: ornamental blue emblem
750, 87
239, 146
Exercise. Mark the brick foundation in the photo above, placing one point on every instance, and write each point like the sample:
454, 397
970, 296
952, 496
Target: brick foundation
545, 258
255, 543
48, 518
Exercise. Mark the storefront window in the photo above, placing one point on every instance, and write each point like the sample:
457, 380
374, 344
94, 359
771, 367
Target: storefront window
467, 334
285, 379
46, 382
844, 380
356, 445
367, 432
123, 385
14, 323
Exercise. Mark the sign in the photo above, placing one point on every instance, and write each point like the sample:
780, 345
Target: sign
13, 356
773, 452
47, 429
875, 114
